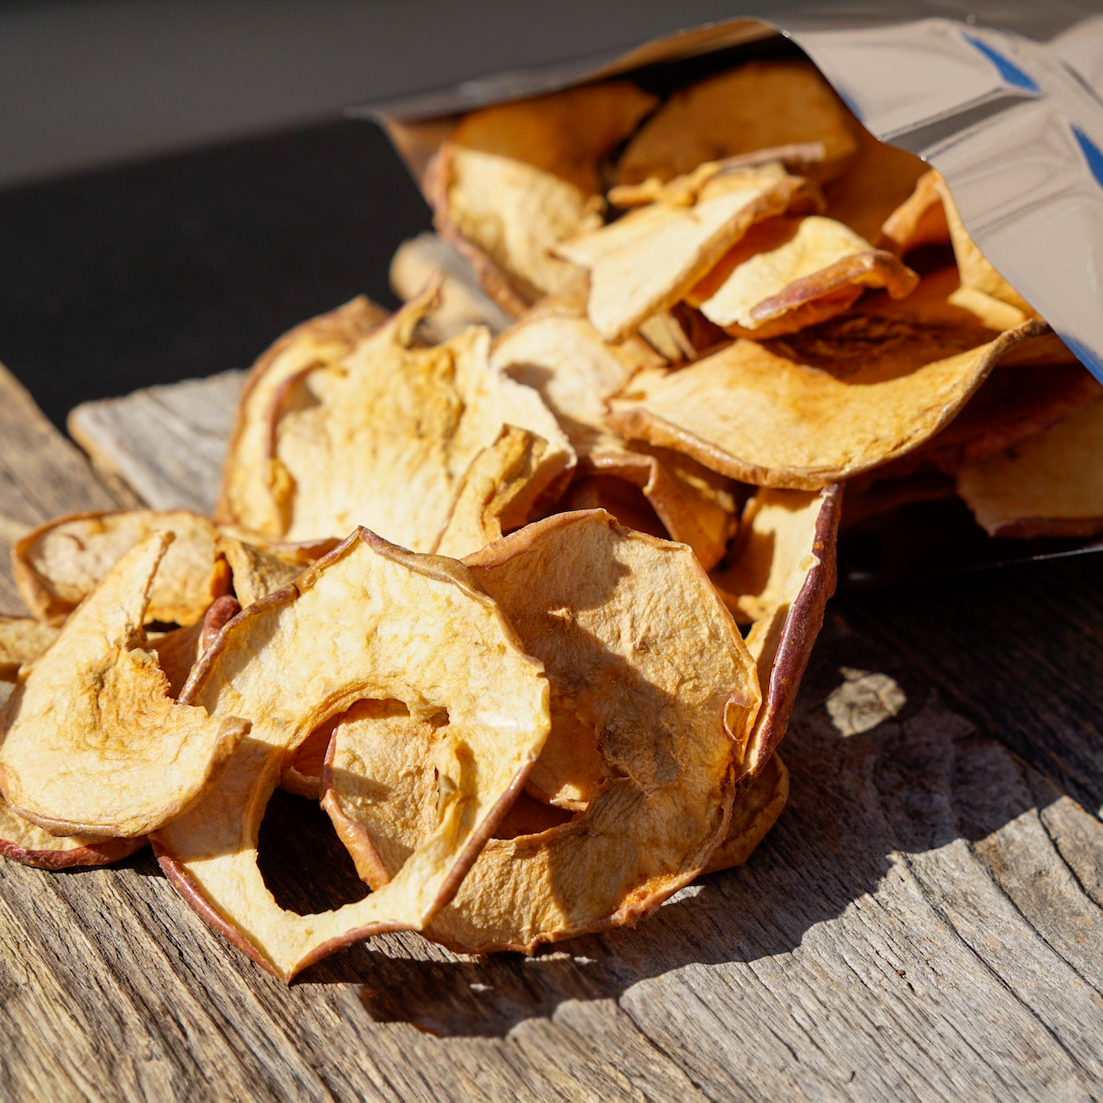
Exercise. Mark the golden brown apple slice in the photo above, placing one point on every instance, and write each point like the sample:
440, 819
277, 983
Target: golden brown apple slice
1048, 485
781, 574
59, 563
648, 260
22, 640
384, 436
653, 679
92, 743
758, 802
256, 573
755, 106
245, 497
802, 414
31, 845
788, 273
370, 621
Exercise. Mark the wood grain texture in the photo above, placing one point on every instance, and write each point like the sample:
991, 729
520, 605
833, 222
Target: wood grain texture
924, 923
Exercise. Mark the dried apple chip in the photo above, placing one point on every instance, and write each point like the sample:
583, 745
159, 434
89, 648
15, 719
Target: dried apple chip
92, 743
802, 414
22, 640
787, 273
650, 678
256, 573
758, 105
781, 575
385, 435
566, 133
1048, 485
648, 260
370, 621
246, 497
59, 563
758, 803
31, 845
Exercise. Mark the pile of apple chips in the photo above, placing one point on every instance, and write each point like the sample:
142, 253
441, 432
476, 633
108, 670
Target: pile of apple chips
527, 612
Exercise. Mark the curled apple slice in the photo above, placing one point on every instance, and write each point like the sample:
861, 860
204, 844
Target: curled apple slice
22, 640
92, 743
373, 622
653, 697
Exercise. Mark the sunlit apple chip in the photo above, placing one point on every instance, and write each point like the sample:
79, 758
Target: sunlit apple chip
814, 408
92, 743
758, 105
787, 273
370, 622
59, 563
565, 359
782, 572
246, 497
25, 842
22, 640
653, 697
256, 573
384, 436
758, 802
648, 260
1048, 485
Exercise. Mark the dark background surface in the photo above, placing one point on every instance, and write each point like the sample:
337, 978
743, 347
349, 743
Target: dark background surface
192, 263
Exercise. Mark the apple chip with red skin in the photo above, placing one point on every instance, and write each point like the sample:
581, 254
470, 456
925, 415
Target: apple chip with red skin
649, 678
384, 436
91, 741
246, 495
515, 179
788, 273
370, 621
57, 564
759, 800
648, 260
31, 845
814, 408
756, 106
782, 572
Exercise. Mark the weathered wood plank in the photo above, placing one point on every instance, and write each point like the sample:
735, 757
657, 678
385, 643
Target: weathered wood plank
167, 443
923, 924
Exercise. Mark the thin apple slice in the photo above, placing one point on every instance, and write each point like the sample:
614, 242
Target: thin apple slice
92, 743
31, 845
370, 621
57, 564
22, 640
653, 697
759, 801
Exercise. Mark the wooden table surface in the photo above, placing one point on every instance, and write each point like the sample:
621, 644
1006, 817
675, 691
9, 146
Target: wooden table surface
923, 923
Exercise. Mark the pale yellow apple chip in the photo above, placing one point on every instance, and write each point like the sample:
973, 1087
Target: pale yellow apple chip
758, 105
256, 573
566, 133
384, 436
60, 562
25, 842
1048, 485
374, 622
22, 640
497, 478
759, 801
787, 273
781, 574
919, 222
804, 413
506, 218
246, 495
178, 651
653, 696
92, 743
566, 360
648, 260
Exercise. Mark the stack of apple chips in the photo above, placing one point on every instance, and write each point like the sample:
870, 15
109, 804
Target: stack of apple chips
541, 685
